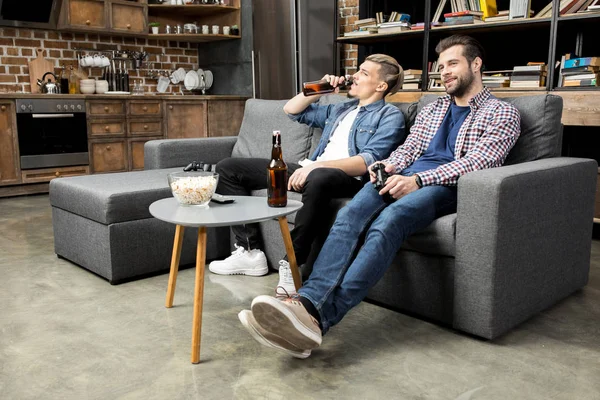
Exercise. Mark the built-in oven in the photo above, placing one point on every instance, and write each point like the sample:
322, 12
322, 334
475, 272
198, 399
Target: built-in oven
52, 133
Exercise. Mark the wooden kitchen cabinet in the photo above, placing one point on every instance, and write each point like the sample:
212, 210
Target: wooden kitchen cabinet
107, 108
108, 156
9, 157
136, 152
106, 127
186, 119
47, 174
86, 15
225, 117
128, 18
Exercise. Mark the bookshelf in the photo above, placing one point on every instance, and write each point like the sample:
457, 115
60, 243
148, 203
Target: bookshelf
508, 43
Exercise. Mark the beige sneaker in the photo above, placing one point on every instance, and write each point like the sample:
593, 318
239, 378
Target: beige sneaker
287, 319
266, 338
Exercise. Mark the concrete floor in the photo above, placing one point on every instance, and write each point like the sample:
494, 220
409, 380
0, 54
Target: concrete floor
68, 334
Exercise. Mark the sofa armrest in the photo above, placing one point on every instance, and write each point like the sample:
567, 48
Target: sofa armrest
523, 241
170, 153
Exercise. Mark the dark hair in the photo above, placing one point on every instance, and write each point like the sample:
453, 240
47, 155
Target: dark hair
390, 71
471, 47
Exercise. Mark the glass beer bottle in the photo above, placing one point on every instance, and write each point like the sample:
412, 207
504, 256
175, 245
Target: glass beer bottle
323, 87
277, 175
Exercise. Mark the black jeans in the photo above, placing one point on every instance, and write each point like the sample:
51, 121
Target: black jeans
239, 176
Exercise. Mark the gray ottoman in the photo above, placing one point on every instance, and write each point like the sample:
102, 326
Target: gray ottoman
102, 223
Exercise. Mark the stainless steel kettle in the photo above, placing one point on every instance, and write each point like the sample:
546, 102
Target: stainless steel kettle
49, 87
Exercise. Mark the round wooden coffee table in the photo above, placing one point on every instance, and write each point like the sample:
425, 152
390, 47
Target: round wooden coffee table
244, 210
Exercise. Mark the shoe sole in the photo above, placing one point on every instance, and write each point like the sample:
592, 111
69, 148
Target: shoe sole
265, 342
272, 315
249, 272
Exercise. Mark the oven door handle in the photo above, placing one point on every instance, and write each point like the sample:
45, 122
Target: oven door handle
52, 115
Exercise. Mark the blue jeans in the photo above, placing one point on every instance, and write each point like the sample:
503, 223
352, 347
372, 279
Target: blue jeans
343, 273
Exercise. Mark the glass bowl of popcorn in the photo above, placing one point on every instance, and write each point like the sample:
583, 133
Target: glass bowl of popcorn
193, 188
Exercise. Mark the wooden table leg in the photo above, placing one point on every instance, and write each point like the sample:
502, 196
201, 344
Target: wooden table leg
289, 248
198, 294
174, 265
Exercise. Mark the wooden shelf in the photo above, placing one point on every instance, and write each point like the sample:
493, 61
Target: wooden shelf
192, 37
579, 16
379, 37
494, 26
191, 10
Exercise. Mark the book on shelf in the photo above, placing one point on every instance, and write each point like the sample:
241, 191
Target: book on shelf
361, 32
466, 19
411, 85
545, 12
519, 9
488, 7
497, 18
463, 13
595, 6
588, 69
535, 67
584, 82
575, 6
393, 29
582, 62
580, 77
438, 11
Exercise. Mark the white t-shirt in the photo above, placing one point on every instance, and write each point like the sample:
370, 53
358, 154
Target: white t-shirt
337, 147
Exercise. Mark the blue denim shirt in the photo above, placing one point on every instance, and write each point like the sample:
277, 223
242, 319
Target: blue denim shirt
377, 130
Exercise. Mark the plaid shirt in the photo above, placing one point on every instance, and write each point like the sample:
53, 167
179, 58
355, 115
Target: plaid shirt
486, 136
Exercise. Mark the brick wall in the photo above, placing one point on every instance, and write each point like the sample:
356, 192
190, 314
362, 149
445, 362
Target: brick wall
17, 48
348, 10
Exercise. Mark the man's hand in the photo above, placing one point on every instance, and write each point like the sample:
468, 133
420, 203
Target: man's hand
399, 186
298, 178
334, 81
389, 168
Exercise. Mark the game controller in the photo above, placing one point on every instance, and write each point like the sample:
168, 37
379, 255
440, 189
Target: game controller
194, 166
380, 177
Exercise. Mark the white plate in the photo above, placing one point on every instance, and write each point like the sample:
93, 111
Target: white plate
191, 80
208, 76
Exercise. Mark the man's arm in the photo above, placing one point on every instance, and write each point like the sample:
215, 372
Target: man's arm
490, 151
300, 102
352, 166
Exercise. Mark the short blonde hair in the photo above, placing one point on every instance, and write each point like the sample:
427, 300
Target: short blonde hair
390, 71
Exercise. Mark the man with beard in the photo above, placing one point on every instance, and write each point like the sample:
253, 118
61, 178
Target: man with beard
356, 133
466, 130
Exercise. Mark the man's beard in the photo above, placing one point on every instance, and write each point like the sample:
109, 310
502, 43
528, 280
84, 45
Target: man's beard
462, 85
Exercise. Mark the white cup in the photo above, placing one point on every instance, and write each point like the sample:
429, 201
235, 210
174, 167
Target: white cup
215, 29
87, 61
105, 61
205, 30
225, 30
97, 61
101, 86
163, 84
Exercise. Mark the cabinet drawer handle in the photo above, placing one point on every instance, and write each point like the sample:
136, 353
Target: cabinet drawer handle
145, 108
107, 128
3, 108
170, 107
108, 148
145, 126
57, 174
88, 22
128, 26
106, 109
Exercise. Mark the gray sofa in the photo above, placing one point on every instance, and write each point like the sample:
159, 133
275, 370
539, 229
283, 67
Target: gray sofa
519, 242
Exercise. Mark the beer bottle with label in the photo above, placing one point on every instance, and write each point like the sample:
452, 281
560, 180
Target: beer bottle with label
277, 175
323, 87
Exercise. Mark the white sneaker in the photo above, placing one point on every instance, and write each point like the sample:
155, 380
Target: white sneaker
286, 286
241, 262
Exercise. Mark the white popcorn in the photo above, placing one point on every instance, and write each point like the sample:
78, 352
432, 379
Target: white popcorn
194, 189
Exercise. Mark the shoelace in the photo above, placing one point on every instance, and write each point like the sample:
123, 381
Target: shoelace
238, 250
294, 299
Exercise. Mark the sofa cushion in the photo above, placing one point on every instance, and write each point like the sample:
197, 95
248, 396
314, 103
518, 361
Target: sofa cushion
438, 238
541, 129
261, 118
111, 198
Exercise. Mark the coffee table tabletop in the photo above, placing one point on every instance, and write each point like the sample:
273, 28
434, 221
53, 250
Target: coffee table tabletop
245, 209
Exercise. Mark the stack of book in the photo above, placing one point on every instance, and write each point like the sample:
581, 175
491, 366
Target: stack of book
412, 79
393, 27
463, 18
577, 6
362, 27
497, 79
484, 8
435, 78
529, 76
581, 72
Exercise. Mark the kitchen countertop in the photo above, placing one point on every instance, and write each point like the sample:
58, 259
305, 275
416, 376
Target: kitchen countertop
120, 96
